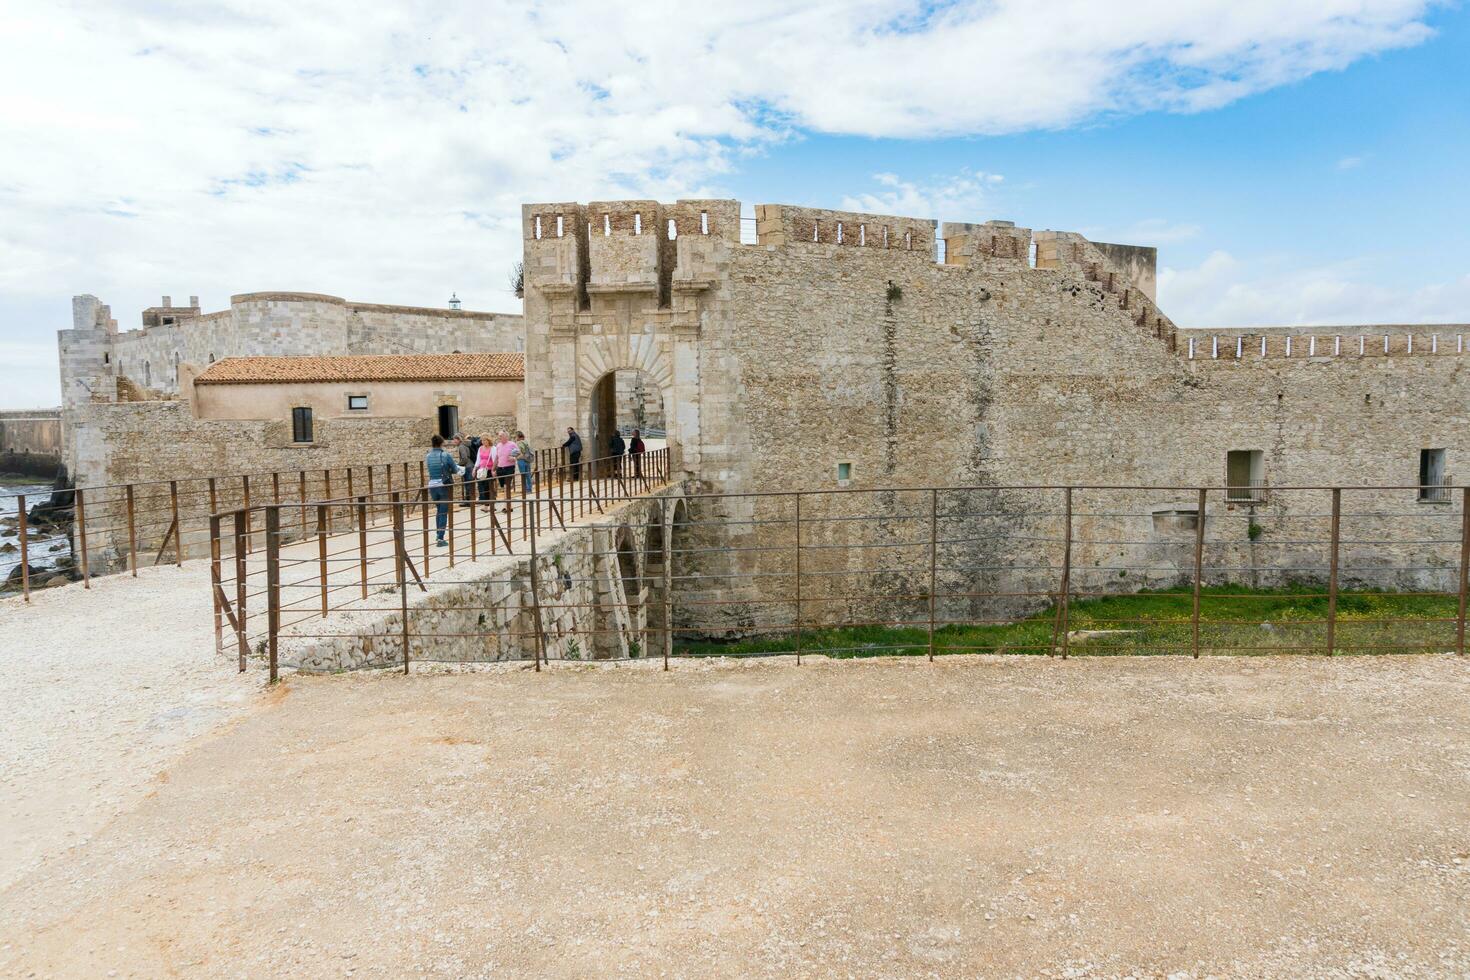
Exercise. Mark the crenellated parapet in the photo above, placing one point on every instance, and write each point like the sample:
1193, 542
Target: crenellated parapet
785, 225
1072, 254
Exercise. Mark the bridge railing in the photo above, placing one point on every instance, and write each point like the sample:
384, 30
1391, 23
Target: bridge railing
119, 527
306, 564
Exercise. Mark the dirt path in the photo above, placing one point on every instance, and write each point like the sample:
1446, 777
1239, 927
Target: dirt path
100, 690
977, 816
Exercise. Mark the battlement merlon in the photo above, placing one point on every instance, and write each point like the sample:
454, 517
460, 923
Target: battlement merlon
788, 225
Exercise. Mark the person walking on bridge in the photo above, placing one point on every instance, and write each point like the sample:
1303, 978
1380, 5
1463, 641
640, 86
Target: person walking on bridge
573, 446
524, 456
635, 451
442, 470
505, 461
616, 447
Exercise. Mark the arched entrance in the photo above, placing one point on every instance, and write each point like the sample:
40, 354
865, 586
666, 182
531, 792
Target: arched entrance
621, 401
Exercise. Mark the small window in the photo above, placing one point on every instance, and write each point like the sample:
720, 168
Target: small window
1432, 482
844, 474
538, 227
448, 420
106, 358
357, 403
168, 321
1244, 476
301, 425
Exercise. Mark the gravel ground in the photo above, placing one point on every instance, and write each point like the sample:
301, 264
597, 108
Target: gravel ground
977, 816
100, 690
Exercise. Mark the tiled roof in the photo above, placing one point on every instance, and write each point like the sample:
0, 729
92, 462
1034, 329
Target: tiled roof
365, 367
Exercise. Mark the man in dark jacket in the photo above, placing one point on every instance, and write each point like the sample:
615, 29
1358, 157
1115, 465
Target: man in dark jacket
615, 448
464, 454
636, 449
573, 446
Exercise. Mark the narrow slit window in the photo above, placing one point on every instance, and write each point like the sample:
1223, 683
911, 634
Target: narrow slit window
885, 236
673, 230
301, 425
839, 233
1432, 482
537, 232
816, 232
606, 224
862, 234
704, 222
560, 226
637, 223
908, 240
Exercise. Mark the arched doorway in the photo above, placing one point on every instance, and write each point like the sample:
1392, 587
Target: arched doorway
623, 400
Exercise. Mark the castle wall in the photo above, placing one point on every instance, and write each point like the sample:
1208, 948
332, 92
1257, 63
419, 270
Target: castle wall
822, 345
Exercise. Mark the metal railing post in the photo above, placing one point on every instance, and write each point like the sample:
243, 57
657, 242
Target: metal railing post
536, 593
933, 561
1067, 579
214, 577
423, 495
132, 534
1332, 571
668, 539
81, 508
1464, 569
362, 519
798, 579
173, 503
453, 506
1199, 554
273, 585
321, 547
400, 555
25, 553
242, 524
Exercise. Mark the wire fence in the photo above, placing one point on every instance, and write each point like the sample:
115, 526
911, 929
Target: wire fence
1059, 571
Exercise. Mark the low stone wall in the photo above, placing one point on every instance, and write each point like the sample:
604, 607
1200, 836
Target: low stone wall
601, 586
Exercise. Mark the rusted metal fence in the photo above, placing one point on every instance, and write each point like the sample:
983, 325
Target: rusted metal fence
1046, 570
121, 527
306, 566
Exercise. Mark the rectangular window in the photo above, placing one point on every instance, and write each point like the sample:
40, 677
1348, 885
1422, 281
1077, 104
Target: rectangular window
301, 425
357, 403
844, 474
1432, 481
1245, 479
448, 420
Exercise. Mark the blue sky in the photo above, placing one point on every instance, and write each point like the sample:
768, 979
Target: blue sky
1293, 163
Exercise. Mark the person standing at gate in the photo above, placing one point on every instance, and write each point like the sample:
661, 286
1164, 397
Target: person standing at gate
616, 447
464, 454
573, 446
636, 450
442, 469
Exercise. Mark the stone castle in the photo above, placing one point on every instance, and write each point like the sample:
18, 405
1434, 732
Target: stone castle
837, 349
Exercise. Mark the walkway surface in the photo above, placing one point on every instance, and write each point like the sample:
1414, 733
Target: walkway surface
975, 816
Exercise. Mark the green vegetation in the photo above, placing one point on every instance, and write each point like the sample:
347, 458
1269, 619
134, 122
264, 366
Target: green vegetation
1233, 620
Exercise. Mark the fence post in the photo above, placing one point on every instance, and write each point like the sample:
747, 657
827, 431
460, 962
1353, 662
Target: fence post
214, 581
423, 495
173, 503
1464, 569
1332, 571
242, 519
132, 534
327, 493
668, 536
79, 499
273, 584
474, 506
535, 593
362, 520
798, 579
933, 561
1067, 579
301, 485
453, 506
321, 548
400, 553
1199, 556
25, 561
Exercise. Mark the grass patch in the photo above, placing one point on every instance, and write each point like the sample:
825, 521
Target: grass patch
1233, 620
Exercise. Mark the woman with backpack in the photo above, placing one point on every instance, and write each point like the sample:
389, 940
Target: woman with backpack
442, 470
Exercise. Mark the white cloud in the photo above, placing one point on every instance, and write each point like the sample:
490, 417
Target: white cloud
382, 150
1349, 163
1225, 291
957, 197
